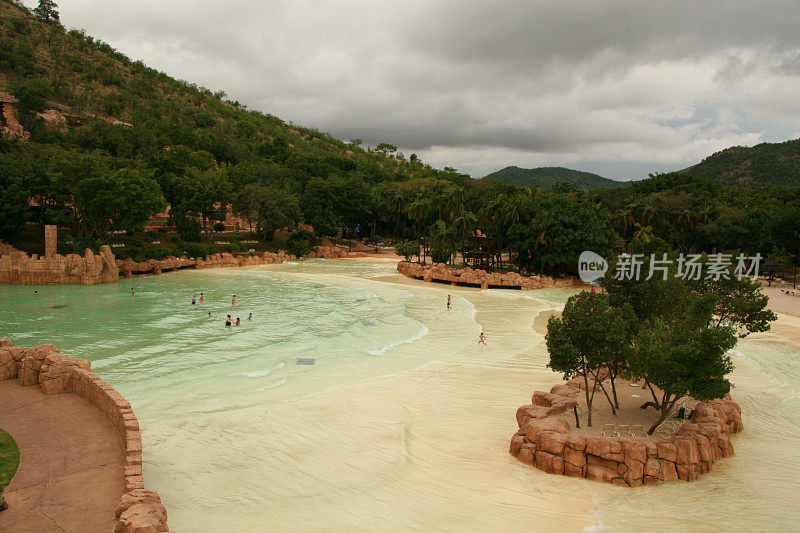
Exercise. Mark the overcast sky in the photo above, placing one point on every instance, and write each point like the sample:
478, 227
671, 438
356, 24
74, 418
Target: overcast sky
617, 88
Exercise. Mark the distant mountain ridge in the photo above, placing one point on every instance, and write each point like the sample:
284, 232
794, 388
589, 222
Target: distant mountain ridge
550, 176
760, 165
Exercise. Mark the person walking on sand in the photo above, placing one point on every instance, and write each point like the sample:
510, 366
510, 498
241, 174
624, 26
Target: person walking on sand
233, 302
228, 321
448, 302
482, 339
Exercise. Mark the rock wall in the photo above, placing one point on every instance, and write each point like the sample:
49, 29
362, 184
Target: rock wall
139, 510
545, 442
89, 269
334, 252
128, 267
477, 277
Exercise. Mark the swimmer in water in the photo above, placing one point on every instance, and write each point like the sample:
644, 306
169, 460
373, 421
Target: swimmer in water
132, 293
238, 322
448, 301
201, 297
482, 339
35, 292
233, 302
209, 314
228, 321
250, 316
194, 299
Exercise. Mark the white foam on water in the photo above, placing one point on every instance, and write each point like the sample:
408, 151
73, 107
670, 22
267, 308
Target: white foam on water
417, 336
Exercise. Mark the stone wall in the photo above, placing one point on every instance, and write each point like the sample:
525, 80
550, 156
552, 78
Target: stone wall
479, 278
129, 268
139, 510
89, 269
544, 441
334, 252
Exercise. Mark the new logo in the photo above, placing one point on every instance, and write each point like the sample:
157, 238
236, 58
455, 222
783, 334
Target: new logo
591, 266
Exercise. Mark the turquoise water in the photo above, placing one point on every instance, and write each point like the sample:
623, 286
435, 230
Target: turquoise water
401, 423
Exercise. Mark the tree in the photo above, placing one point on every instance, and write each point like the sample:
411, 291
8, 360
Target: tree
46, 11
117, 200
590, 335
443, 240
407, 249
684, 356
301, 242
277, 208
386, 148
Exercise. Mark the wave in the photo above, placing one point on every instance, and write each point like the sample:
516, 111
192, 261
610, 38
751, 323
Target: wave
421, 333
271, 385
259, 373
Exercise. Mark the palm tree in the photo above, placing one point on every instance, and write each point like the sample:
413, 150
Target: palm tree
685, 220
643, 233
443, 236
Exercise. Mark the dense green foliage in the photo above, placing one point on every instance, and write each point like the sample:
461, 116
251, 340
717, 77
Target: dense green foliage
764, 164
550, 176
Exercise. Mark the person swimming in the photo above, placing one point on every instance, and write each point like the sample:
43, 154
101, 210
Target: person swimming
250, 316
209, 314
201, 297
482, 339
238, 322
194, 299
233, 302
228, 321
448, 301
132, 293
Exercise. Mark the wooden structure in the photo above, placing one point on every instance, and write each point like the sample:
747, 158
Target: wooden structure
480, 251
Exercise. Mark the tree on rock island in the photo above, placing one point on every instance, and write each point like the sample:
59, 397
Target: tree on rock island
589, 339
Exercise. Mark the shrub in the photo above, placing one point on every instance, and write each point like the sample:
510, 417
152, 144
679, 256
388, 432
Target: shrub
407, 249
197, 250
440, 256
301, 242
233, 247
188, 229
219, 226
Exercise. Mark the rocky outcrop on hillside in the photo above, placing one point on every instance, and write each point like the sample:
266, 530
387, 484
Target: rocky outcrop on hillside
544, 440
478, 277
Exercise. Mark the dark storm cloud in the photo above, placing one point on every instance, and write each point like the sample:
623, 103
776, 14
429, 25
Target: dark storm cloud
619, 87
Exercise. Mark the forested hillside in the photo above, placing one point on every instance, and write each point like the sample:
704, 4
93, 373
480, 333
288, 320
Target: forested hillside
550, 176
136, 133
762, 164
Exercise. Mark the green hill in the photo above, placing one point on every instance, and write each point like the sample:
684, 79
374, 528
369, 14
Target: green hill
101, 127
549, 176
759, 165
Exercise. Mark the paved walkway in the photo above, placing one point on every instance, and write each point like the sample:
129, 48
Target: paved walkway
71, 463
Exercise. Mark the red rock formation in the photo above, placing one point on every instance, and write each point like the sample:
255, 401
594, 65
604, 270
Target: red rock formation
547, 444
128, 267
9, 118
478, 277
139, 510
